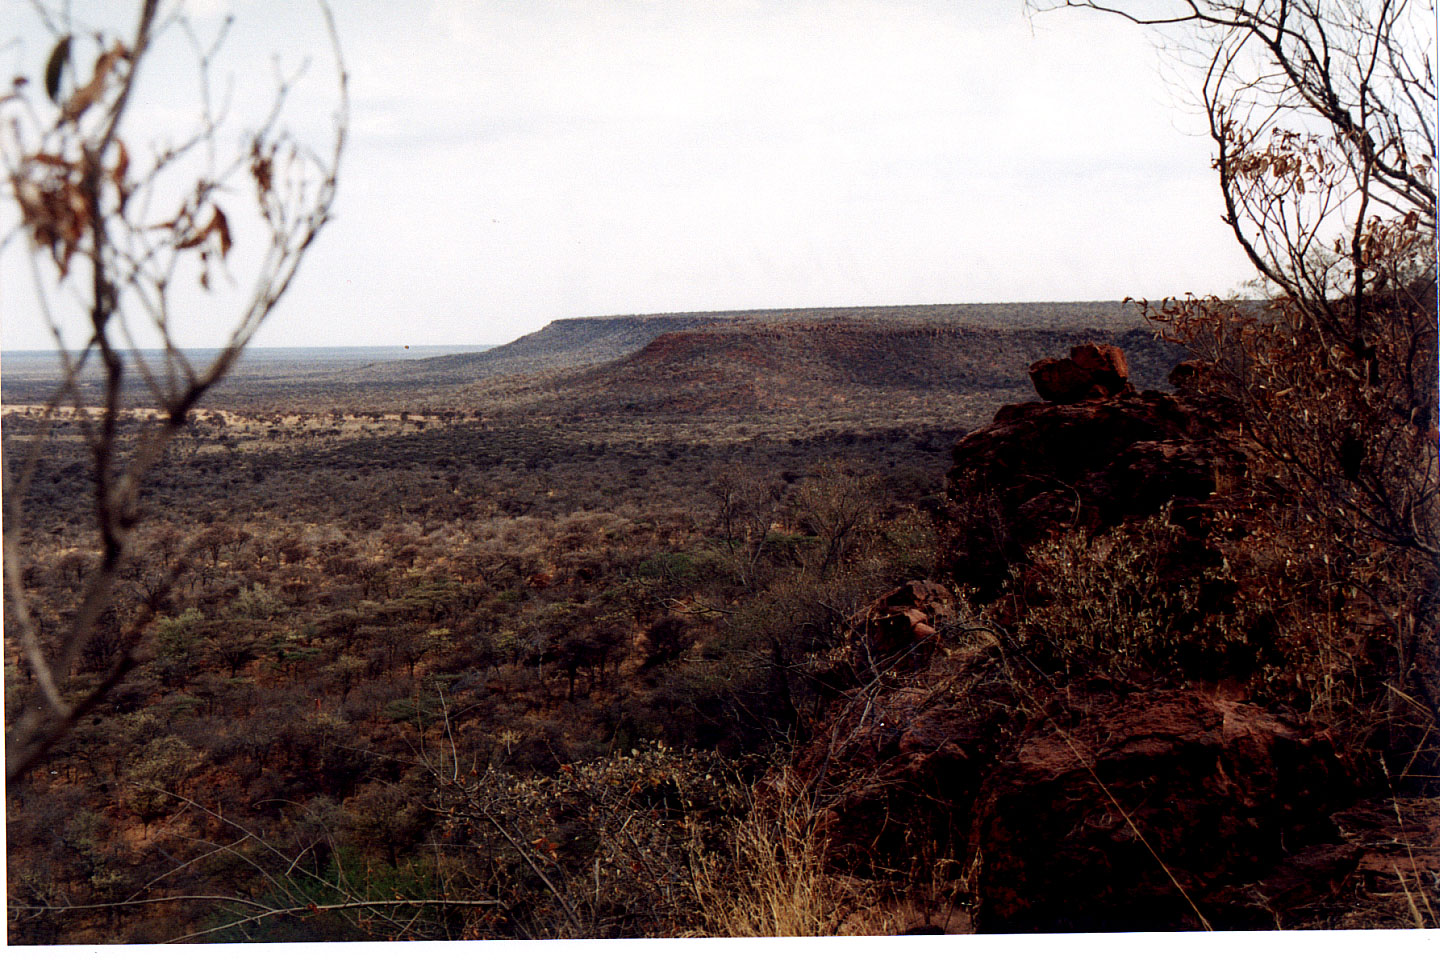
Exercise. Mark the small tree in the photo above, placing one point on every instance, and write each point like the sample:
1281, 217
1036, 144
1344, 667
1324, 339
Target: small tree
746, 505
175, 643
839, 506
117, 231
154, 774
233, 646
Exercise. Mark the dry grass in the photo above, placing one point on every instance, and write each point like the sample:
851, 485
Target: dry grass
770, 879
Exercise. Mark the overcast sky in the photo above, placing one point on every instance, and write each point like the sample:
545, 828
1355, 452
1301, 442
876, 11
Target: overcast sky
516, 161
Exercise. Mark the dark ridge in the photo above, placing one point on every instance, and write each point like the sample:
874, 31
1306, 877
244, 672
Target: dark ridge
583, 341
752, 367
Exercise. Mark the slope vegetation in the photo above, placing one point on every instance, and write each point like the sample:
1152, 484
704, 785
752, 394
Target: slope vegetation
584, 341
873, 370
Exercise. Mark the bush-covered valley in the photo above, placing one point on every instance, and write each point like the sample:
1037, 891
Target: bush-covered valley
759, 623
327, 599
527, 669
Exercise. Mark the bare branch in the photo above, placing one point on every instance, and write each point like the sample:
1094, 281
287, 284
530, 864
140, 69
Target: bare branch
71, 178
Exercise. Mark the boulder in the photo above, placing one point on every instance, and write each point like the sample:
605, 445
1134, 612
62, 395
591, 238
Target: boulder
1093, 371
1187, 375
1104, 363
899, 631
901, 624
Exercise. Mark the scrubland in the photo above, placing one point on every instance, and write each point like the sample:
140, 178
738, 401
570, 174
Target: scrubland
587, 616
602, 652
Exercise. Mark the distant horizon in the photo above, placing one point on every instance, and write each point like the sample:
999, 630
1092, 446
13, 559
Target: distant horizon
415, 345
322, 346
510, 164
834, 306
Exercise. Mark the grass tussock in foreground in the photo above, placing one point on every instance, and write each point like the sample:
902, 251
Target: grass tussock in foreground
770, 876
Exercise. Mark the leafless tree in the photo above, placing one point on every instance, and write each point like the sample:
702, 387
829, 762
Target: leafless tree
118, 233
839, 505
1322, 116
745, 507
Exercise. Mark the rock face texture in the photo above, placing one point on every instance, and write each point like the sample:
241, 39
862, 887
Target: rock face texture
1072, 805
1154, 810
899, 769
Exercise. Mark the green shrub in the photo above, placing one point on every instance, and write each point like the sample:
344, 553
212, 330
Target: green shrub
256, 602
176, 643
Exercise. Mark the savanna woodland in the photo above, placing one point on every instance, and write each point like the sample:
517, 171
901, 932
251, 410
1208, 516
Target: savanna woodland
768, 623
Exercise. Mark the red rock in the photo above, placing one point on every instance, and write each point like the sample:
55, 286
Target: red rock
1236, 801
1102, 361
1232, 800
1186, 375
1059, 380
1093, 371
900, 768
1041, 468
900, 623
1083, 809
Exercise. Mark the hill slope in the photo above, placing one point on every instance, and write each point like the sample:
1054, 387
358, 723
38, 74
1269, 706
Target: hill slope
825, 366
893, 360
582, 341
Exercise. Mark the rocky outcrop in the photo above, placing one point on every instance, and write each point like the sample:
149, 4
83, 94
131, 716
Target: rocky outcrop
1042, 467
1097, 805
1086, 811
897, 769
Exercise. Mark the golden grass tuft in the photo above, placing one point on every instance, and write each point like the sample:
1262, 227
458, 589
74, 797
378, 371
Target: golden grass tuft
770, 878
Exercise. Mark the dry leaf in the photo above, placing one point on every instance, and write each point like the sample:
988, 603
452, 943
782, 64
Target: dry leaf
55, 68
84, 98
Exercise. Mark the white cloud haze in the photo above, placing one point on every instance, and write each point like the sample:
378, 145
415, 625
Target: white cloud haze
513, 162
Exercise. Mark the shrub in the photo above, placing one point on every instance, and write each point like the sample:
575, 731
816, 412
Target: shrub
175, 643
255, 602
1337, 400
155, 775
838, 505
666, 639
1116, 604
601, 847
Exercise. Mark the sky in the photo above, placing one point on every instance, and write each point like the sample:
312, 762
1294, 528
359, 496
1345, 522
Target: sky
511, 162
